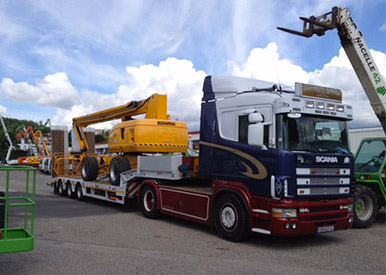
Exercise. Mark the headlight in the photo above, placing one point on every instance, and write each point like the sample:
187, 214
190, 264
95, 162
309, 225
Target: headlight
284, 213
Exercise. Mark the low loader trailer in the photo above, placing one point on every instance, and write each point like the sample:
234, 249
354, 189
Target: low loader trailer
271, 161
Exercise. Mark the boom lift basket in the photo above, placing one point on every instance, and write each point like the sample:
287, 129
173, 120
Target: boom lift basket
21, 237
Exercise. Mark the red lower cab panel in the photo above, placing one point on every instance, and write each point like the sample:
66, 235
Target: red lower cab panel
312, 217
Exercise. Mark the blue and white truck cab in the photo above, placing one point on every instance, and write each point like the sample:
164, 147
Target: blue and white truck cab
289, 148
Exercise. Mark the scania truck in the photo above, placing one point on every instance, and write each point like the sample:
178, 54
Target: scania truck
370, 188
271, 160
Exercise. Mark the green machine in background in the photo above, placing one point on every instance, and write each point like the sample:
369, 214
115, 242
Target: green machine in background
370, 181
16, 234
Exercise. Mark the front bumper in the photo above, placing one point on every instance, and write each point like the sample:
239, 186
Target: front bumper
313, 217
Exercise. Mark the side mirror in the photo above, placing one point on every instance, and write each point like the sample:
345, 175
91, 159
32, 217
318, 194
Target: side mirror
256, 135
255, 118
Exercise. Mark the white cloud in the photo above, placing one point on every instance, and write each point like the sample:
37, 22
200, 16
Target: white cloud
383, 28
265, 64
3, 110
54, 90
176, 78
183, 84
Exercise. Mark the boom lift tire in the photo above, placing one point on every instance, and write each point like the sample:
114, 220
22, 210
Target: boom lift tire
89, 169
365, 206
117, 166
2, 210
230, 218
148, 202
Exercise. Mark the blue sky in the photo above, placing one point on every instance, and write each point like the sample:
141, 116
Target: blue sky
60, 59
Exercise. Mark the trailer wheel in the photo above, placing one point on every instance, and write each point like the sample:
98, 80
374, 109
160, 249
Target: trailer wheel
89, 169
2, 211
148, 202
230, 218
365, 206
70, 194
60, 188
79, 192
117, 166
56, 188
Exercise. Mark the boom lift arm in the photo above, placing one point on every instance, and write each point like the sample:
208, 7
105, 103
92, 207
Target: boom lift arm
357, 51
8, 139
37, 137
154, 107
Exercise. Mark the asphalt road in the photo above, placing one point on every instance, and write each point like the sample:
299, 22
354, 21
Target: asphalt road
94, 237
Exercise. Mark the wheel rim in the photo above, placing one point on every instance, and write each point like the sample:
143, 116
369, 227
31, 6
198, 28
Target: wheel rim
79, 192
60, 188
148, 200
69, 190
364, 208
228, 217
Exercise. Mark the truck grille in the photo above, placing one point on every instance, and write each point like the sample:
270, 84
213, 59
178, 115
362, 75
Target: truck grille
323, 181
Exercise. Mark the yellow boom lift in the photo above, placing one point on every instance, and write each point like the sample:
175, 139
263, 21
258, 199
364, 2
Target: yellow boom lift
155, 133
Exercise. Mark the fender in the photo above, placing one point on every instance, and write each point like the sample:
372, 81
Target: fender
237, 188
154, 184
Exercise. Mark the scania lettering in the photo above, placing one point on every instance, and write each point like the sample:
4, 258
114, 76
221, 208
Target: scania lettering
256, 170
326, 159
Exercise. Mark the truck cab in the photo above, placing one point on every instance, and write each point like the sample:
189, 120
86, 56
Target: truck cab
288, 148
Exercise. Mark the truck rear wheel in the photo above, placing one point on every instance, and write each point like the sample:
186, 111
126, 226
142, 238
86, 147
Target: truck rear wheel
89, 169
365, 206
230, 218
148, 202
117, 166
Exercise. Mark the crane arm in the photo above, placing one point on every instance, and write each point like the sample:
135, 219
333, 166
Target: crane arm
38, 137
8, 139
357, 52
153, 107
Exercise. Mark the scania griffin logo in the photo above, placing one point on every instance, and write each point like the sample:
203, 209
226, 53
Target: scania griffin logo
326, 159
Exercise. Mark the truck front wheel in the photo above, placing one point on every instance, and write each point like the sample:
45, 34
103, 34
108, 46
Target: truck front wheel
148, 202
230, 218
365, 206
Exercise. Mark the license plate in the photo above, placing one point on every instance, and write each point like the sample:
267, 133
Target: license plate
325, 229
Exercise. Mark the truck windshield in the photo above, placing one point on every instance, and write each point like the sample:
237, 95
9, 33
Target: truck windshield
312, 134
370, 156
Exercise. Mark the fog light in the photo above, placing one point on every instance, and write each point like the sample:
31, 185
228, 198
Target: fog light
350, 208
291, 225
350, 220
